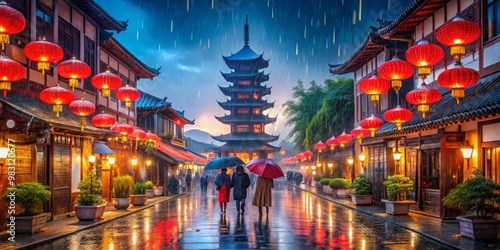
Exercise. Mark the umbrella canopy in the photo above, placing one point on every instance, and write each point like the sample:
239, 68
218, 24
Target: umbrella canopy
224, 162
265, 168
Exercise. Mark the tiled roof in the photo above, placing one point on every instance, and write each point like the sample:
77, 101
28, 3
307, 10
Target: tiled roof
248, 145
232, 76
180, 114
254, 103
148, 101
263, 137
245, 54
105, 20
229, 90
260, 118
180, 154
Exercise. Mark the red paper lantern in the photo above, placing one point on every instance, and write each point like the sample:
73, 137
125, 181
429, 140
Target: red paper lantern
57, 96
360, 133
344, 139
74, 70
152, 137
372, 123
423, 97
127, 94
11, 22
458, 79
138, 135
103, 120
43, 52
10, 71
374, 86
319, 146
106, 81
300, 156
308, 154
456, 33
424, 55
398, 116
332, 143
123, 129
396, 70
82, 108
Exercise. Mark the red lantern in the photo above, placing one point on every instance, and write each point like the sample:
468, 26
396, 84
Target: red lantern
398, 116
424, 55
10, 71
82, 108
138, 135
151, 137
11, 22
374, 86
43, 52
106, 81
395, 70
458, 79
74, 70
332, 143
319, 146
103, 120
372, 123
456, 33
308, 154
344, 139
360, 133
57, 96
423, 97
127, 94
123, 129
300, 156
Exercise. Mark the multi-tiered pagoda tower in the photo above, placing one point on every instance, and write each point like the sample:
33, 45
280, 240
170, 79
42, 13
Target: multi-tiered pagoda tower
248, 139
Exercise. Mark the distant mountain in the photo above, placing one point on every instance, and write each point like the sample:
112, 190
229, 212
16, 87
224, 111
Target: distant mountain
201, 136
196, 146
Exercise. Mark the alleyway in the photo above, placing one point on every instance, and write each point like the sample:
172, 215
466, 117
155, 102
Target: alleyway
297, 220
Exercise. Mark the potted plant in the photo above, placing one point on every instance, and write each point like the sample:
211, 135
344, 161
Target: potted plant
317, 177
341, 187
150, 192
138, 196
362, 193
122, 187
397, 188
479, 198
325, 182
90, 205
173, 185
28, 195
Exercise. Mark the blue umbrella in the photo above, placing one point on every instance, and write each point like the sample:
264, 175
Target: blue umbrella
224, 162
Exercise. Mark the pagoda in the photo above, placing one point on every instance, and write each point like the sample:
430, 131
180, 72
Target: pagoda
247, 139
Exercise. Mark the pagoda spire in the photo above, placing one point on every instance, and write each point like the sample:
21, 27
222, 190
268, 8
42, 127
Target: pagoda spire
246, 38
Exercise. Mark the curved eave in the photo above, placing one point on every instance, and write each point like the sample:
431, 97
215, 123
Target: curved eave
232, 76
263, 104
248, 146
231, 90
103, 18
150, 102
247, 137
228, 119
180, 114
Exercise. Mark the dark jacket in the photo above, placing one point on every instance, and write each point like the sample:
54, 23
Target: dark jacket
222, 179
240, 182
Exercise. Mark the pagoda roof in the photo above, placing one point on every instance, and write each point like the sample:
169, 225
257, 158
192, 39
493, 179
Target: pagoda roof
103, 18
230, 90
114, 47
246, 136
248, 146
151, 102
253, 118
233, 76
227, 105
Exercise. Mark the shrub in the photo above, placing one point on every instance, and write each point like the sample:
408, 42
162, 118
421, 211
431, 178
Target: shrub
325, 181
477, 196
122, 186
340, 183
317, 177
139, 188
90, 190
397, 186
28, 195
149, 185
361, 185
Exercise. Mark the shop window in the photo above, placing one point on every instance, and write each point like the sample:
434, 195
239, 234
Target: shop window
242, 128
492, 18
69, 39
257, 128
492, 164
243, 96
89, 57
256, 111
242, 111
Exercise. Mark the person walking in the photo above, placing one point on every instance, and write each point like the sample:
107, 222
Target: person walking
188, 180
263, 196
223, 185
203, 184
240, 181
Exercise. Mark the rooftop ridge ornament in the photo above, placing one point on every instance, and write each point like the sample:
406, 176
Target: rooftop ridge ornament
246, 37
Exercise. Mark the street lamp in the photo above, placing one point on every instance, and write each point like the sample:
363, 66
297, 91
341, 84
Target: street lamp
92, 160
362, 158
467, 151
350, 161
111, 160
148, 163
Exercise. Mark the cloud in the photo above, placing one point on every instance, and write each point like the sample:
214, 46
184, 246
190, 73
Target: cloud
188, 68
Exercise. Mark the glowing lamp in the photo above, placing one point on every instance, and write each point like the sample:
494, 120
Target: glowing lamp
398, 116
344, 139
11, 22
106, 81
134, 161
308, 154
397, 155
74, 70
92, 159
44, 53
57, 96
319, 146
424, 55
374, 87
111, 160
332, 143
103, 120
458, 79
82, 108
456, 33
396, 70
360, 133
10, 71
127, 94
350, 161
423, 97
372, 123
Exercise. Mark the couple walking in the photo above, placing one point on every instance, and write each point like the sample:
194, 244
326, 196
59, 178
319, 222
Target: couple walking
240, 181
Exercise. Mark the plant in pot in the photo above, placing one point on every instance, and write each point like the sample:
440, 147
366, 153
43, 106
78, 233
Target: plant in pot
325, 182
362, 193
397, 187
122, 187
479, 198
341, 187
28, 195
150, 192
317, 177
173, 185
90, 205
138, 196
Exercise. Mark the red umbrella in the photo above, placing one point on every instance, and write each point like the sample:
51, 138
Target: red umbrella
265, 168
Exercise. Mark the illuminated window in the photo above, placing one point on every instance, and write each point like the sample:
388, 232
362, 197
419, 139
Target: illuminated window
242, 128
243, 82
256, 111
257, 128
242, 111
256, 96
243, 96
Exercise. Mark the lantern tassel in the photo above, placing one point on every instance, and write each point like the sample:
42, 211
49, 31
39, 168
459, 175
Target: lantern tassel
83, 122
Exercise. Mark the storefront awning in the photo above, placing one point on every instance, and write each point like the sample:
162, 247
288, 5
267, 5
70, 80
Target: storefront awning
180, 153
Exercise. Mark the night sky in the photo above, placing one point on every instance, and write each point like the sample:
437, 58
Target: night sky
187, 39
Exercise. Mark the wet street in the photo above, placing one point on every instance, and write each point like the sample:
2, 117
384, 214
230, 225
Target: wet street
297, 220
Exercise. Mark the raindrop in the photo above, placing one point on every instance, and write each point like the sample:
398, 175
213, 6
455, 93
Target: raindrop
171, 25
213, 4
187, 5
297, 49
338, 52
360, 9
137, 36
324, 19
208, 46
354, 17
159, 47
305, 32
272, 12
333, 37
298, 13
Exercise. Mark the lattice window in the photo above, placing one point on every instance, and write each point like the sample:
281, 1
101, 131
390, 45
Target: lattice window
242, 128
242, 111
243, 96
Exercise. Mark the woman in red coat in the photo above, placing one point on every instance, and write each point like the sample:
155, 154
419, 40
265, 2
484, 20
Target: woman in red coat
223, 184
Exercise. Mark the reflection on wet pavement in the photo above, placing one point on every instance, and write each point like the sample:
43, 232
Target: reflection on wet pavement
297, 220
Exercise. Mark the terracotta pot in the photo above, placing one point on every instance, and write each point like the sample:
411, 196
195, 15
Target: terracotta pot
150, 193
362, 200
327, 189
30, 224
138, 199
90, 212
477, 229
341, 193
397, 207
158, 191
121, 203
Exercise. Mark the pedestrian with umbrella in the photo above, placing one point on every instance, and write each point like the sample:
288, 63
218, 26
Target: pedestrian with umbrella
240, 181
223, 185
267, 170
